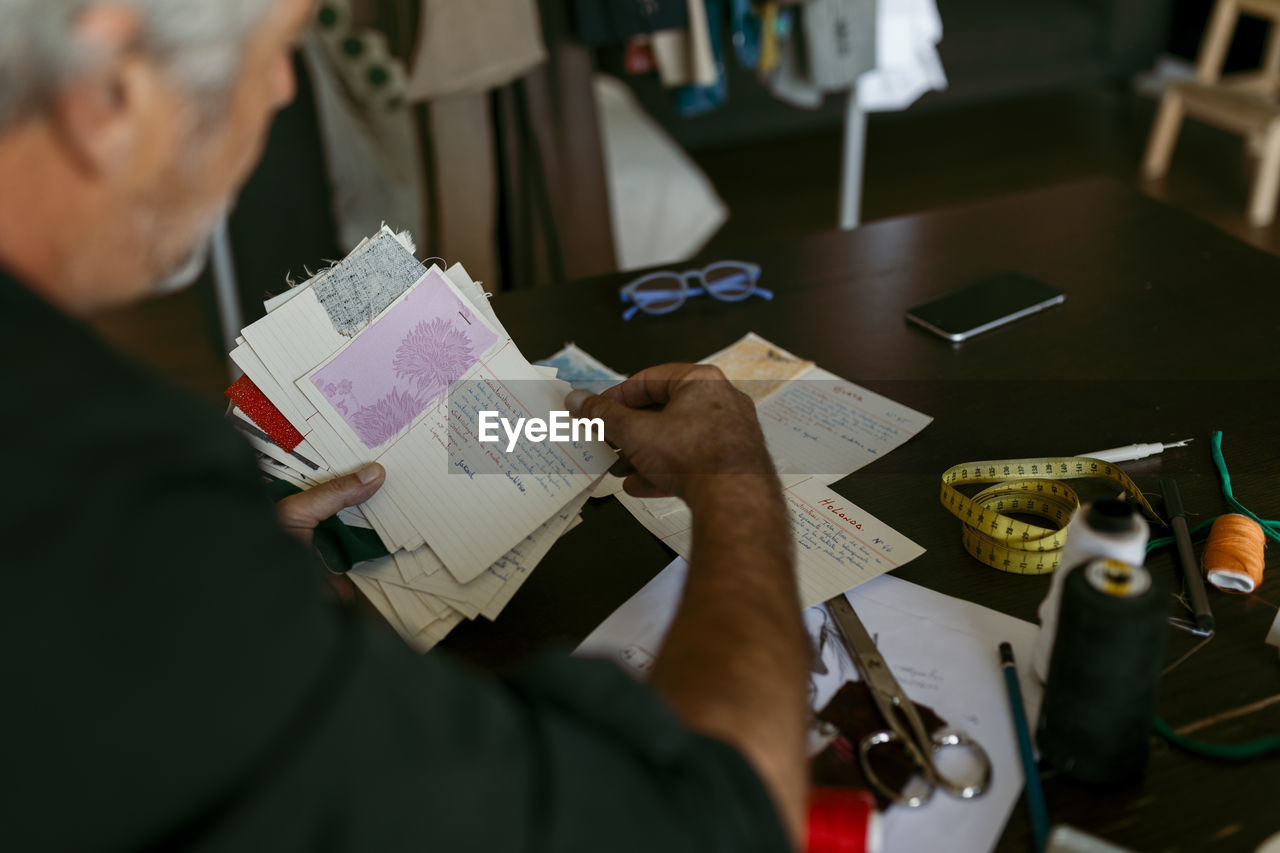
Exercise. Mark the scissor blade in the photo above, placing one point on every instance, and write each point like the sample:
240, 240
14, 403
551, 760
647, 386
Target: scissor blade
862, 648
855, 633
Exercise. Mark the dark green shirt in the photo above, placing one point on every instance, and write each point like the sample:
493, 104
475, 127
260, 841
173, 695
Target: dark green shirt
173, 674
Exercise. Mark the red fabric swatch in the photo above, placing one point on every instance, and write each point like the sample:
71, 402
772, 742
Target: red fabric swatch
250, 400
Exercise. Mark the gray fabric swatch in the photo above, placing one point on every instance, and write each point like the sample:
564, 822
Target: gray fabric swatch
357, 288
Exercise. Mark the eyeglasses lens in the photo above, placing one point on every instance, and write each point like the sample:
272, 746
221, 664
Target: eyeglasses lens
729, 282
660, 294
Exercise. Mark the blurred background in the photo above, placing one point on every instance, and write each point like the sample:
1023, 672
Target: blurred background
543, 141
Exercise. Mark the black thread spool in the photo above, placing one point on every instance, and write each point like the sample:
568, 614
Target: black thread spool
1095, 722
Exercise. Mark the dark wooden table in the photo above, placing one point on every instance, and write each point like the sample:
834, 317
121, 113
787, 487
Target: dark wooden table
1169, 331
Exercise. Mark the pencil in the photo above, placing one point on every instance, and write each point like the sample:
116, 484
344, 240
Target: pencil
1035, 796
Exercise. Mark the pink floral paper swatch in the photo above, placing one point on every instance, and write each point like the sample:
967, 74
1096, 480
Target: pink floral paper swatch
404, 362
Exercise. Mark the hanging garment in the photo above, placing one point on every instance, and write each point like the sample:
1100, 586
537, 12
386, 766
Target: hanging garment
601, 22
371, 147
907, 63
474, 46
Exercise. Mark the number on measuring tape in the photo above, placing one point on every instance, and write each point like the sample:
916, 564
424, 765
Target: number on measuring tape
1029, 487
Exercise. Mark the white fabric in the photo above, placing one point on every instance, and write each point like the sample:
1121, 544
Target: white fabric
371, 147
664, 208
907, 62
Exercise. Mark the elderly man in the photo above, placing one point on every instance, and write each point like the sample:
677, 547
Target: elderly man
174, 674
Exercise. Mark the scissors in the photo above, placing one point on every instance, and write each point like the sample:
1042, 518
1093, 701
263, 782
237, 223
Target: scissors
904, 727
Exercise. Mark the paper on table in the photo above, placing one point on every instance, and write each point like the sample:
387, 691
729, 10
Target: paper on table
943, 651
828, 427
758, 367
838, 545
814, 422
581, 370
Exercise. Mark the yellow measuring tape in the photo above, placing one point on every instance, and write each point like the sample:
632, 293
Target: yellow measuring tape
1028, 487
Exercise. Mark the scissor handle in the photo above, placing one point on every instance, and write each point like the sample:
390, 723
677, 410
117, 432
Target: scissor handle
952, 739
919, 789
913, 794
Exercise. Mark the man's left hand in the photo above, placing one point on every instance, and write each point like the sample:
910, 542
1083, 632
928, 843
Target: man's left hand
299, 514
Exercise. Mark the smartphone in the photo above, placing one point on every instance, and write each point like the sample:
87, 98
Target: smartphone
980, 307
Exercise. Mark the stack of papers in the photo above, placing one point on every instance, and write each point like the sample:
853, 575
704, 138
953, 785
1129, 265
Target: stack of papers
379, 359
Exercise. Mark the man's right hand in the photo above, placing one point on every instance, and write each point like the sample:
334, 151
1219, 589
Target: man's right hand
677, 427
735, 662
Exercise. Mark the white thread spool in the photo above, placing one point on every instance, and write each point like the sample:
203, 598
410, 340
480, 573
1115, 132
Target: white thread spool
1107, 528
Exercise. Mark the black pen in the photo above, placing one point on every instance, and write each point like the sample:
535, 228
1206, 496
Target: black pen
1187, 556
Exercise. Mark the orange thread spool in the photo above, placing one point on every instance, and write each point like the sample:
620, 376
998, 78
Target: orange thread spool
1233, 559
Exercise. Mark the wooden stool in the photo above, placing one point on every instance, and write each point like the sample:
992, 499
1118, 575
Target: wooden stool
1242, 103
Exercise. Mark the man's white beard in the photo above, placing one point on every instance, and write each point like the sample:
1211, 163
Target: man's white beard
188, 270
186, 273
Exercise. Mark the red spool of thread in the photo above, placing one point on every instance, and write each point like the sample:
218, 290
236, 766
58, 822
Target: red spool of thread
843, 820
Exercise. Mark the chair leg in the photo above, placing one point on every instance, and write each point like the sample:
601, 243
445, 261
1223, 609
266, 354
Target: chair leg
1266, 183
1164, 135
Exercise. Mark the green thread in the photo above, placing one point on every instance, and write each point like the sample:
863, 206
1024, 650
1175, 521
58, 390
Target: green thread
1205, 749
1271, 528
1220, 751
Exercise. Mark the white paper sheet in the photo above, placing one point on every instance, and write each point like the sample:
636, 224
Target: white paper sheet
838, 544
828, 427
942, 650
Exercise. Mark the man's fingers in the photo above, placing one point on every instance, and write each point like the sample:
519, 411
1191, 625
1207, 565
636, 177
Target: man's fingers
623, 425
303, 511
622, 467
638, 487
655, 385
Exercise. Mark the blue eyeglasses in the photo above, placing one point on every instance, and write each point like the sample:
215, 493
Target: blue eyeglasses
664, 292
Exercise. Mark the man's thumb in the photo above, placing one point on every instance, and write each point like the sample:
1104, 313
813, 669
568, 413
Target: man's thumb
620, 421
309, 508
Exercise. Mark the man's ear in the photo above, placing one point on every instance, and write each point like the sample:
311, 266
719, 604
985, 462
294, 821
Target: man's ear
102, 111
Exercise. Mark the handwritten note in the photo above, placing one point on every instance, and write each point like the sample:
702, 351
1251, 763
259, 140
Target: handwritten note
828, 427
838, 545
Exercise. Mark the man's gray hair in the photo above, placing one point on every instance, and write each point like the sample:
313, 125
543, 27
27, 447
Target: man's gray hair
198, 41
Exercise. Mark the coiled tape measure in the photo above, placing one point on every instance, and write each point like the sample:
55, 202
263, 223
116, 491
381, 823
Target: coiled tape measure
1032, 487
